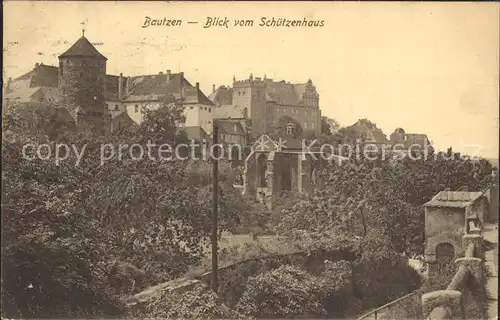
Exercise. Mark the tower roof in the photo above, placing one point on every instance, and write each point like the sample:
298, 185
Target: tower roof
83, 48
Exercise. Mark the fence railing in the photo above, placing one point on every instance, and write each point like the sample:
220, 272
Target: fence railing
387, 310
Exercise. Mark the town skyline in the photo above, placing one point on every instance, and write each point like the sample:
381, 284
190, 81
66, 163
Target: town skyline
453, 81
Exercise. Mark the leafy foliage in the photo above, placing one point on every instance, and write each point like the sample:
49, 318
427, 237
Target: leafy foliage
283, 292
198, 302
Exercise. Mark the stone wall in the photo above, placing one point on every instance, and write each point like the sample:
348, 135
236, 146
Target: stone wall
443, 225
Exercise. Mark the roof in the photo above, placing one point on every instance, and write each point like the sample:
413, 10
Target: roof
231, 127
283, 93
279, 144
83, 48
111, 93
229, 111
369, 130
194, 132
155, 87
454, 199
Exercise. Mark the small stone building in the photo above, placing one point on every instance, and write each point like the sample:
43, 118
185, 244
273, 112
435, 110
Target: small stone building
448, 216
274, 166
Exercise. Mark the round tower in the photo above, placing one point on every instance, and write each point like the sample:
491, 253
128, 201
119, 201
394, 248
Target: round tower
82, 83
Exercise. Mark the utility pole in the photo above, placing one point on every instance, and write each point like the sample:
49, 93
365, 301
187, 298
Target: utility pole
215, 197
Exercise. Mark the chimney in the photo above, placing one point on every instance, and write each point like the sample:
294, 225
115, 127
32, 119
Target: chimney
168, 75
37, 66
120, 86
213, 88
197, 86
127, 85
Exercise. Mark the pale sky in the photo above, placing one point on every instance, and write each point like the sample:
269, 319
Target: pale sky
426, 67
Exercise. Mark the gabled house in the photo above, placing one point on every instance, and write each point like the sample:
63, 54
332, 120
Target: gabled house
449, 215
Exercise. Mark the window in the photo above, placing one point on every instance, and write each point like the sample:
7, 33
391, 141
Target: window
205, 108
191, 107
312, 125
116, 107
261, 170
136, 108
290, 129
209, 109
305, 125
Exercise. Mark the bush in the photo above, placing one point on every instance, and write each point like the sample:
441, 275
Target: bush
198, 302
283, 292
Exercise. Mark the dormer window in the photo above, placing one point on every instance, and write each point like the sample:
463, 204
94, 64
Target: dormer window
290, 129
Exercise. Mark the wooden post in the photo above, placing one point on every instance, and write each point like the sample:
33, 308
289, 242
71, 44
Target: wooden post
215, 200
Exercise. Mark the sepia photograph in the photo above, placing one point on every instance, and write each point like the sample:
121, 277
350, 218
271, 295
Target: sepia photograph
250, 160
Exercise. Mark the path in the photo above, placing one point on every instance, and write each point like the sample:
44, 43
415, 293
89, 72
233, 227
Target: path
491, 257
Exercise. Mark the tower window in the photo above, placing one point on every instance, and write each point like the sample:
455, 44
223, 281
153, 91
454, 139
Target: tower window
136, 108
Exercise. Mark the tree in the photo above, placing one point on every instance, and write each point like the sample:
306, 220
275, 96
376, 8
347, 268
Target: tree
197, 302
284, 292
160, 125
50, 247
74, 235
329, 126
